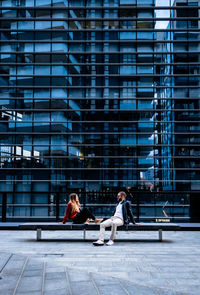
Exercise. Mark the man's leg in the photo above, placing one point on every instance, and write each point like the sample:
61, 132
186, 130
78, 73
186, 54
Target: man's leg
103, 225
115, 223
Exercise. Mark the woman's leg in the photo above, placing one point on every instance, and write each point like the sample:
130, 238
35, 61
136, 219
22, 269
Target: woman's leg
87, 213
83, 216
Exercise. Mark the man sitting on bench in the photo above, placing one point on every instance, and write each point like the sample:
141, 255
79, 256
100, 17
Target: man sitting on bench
122, 215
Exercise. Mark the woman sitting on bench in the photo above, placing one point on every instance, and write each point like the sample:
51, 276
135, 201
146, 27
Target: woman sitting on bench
76, 214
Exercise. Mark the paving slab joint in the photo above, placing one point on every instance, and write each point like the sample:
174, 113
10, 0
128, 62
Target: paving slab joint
6, 263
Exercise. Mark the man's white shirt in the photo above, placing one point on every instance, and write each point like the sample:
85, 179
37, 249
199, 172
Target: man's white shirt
118, 212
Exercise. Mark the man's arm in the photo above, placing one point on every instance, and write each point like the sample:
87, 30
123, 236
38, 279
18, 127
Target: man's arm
130, 213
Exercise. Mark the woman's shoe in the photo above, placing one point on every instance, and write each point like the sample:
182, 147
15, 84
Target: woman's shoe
87, 221
98, 220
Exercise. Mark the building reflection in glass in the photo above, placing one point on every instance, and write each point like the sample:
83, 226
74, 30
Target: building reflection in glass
95, 97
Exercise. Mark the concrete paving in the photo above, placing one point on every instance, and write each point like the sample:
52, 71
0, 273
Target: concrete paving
63, 263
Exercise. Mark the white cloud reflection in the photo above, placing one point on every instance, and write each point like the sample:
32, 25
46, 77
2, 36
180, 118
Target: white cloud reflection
162, 13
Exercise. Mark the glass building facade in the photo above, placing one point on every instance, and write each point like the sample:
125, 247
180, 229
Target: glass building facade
98, 96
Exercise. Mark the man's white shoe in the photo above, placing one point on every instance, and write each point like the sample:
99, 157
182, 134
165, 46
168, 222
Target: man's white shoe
110, 243
98, 243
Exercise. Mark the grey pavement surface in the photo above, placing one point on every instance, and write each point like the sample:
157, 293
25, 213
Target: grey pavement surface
62, 263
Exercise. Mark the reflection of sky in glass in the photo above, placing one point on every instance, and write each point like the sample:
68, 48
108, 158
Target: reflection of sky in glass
164, 13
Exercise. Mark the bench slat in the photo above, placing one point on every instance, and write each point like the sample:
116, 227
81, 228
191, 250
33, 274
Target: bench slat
92, 226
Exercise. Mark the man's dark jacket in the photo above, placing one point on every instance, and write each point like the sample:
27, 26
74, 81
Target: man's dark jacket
127, 212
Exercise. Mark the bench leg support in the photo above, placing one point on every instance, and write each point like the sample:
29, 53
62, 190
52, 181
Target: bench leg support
160, 235
84, 234
39, 234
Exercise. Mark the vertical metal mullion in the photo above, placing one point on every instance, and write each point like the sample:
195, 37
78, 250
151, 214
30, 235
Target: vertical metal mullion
154, 143
137, 162
172, 149
119, 95
33, 113
57, 195
82, 117
67, 90
50, 119
154, 138
103, 67
13, 149
4, 206
188, 83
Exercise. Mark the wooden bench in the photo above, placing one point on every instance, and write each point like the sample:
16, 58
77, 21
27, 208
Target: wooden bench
38, 227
